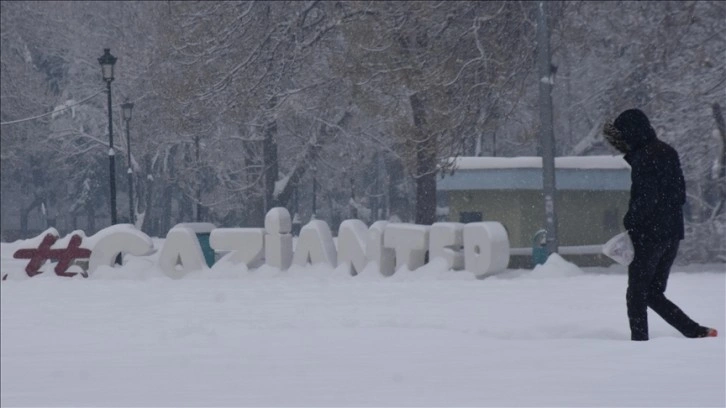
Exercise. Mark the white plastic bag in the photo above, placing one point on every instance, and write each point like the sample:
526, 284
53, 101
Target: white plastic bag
620, 249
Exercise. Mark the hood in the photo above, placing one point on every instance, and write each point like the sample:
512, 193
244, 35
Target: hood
634, 128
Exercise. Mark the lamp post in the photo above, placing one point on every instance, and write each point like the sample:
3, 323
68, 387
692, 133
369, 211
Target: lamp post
547, 137
107, 62
126, 109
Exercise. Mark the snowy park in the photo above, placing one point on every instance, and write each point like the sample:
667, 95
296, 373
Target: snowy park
556, 335
362, 204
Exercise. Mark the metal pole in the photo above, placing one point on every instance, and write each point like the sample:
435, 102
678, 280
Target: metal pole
494, 144
111, 156
130, 173
546, 126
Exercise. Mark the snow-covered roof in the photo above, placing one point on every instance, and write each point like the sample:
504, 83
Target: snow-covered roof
592, 173
564, 162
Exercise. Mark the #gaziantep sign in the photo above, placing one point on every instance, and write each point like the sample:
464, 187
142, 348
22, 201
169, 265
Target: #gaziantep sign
481, 248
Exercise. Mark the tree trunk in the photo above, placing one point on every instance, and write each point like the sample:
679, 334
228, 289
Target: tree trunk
144, 198
383, 182
185, 199
186, 208
269, 153
91, 211
25, 214
149, 223
398, 199
721, 126
335, 216
425, 165
24, 222
197, 165
165, 221
718, 180
309, 156
253, 213
426, 189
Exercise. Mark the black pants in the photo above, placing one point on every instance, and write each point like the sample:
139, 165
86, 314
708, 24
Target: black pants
647, 280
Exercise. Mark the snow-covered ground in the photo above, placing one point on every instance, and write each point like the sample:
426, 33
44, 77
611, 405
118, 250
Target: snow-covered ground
554, 336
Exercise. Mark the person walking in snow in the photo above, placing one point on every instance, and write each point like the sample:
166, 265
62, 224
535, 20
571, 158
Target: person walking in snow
654, 222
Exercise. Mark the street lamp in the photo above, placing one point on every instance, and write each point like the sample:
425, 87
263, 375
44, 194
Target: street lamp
107, 62
126, 109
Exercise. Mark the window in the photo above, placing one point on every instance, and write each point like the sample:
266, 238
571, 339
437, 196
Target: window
611, 221
466, 217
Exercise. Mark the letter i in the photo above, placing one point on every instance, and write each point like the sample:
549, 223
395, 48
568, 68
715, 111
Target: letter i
278, 240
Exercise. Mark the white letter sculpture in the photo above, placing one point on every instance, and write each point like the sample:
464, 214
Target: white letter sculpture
446, 240
121, 238
181, 253
410, 242
315, 245
352, 245
278, 241
245, 245
377, 252
486, 248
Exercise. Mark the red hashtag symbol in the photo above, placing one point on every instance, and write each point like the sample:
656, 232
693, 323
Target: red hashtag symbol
66, 256
43, 253
37, 256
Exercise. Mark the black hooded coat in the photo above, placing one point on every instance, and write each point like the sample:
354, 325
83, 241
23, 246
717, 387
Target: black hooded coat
658, 190
654, 221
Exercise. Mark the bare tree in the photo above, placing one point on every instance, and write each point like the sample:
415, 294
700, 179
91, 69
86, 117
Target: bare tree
440, 77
